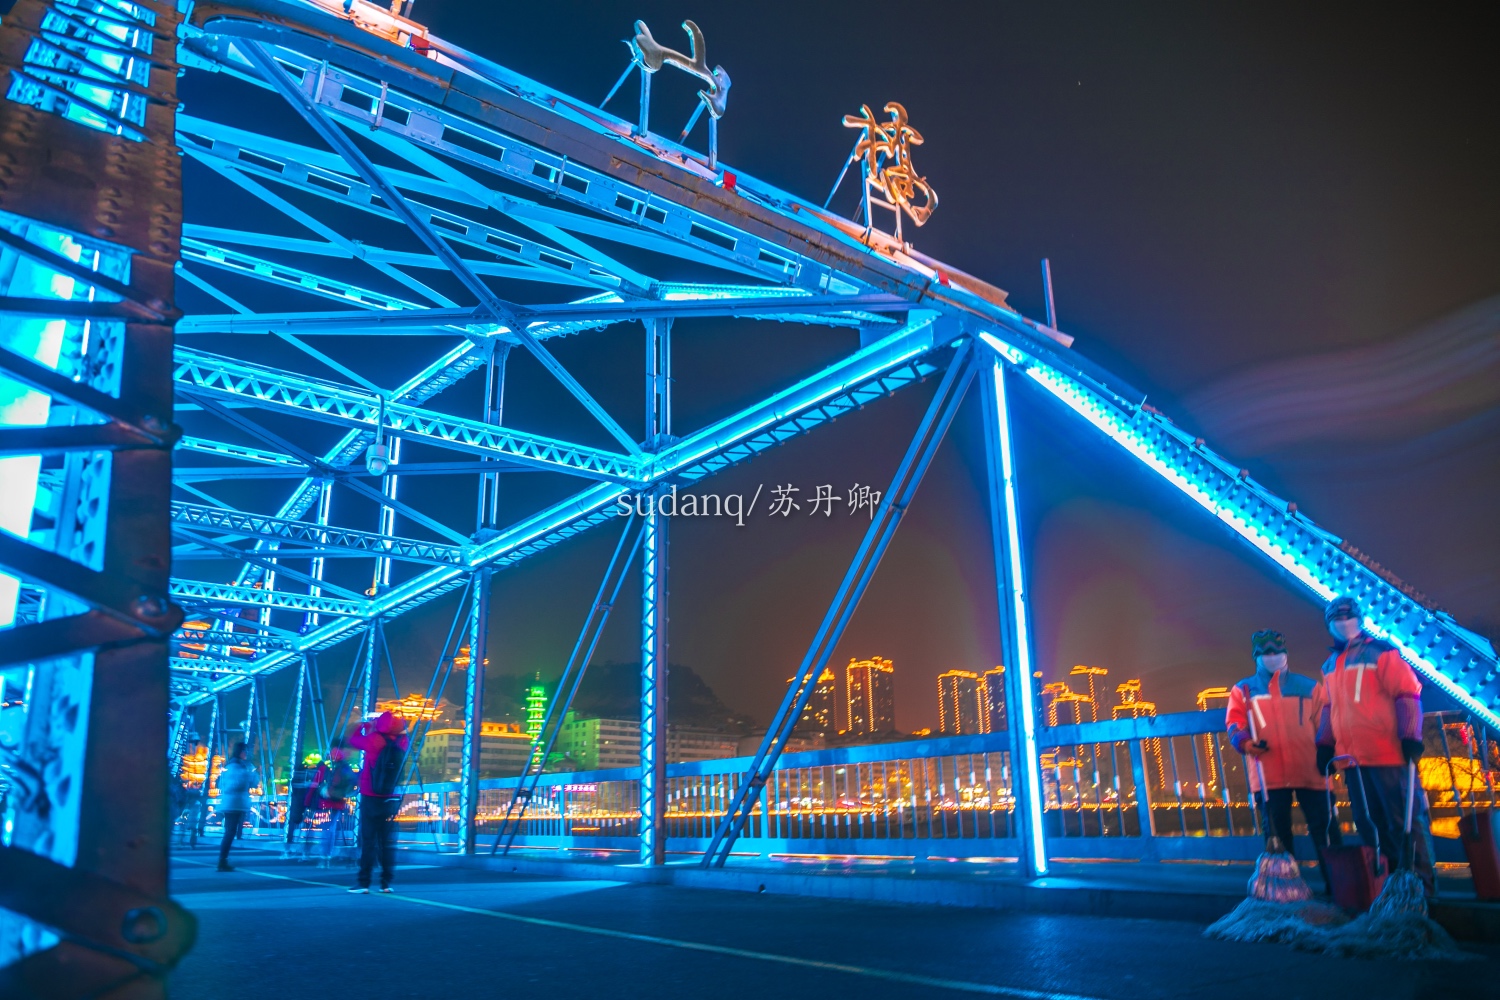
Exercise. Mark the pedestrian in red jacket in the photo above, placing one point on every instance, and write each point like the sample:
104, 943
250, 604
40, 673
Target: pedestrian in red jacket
384, 743
1273, 719
1372, 713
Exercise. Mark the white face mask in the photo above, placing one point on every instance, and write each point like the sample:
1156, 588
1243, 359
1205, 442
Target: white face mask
1344, 629
1273, 662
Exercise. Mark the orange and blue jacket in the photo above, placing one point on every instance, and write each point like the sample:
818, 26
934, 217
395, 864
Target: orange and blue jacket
1371, 701
1284, 711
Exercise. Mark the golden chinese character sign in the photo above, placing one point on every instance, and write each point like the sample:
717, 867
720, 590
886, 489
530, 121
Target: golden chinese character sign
884, 150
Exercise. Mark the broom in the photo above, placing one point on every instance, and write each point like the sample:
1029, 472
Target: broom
1278, 906
1397, 924
1277, 878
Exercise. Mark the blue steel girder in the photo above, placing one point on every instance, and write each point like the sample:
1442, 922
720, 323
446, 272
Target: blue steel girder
237, 524
196, 593
350, 97
565, 317
241, 453
211, 376
290, 166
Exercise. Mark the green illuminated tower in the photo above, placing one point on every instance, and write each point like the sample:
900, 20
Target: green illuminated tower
536, 707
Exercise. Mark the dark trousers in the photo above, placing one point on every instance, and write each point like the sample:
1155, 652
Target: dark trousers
233, 820
1378, 796
295, 813
1314, 805
377, 837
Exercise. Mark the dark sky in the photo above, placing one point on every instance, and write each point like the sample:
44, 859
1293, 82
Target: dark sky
1282, 223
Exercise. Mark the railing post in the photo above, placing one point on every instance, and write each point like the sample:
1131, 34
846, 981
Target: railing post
1142, 799
1015, 631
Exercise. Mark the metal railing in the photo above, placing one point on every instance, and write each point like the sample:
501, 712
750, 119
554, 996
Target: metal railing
948, 797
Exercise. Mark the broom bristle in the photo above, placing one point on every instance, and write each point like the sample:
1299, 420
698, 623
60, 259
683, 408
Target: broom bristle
1277, 879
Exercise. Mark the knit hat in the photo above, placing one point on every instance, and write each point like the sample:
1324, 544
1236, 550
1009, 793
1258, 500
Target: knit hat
1342, 606
1267, 641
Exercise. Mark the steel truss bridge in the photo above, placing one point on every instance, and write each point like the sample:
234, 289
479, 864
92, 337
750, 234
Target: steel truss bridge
447, 198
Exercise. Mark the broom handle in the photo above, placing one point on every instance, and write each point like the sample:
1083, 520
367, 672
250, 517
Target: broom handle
1411, 792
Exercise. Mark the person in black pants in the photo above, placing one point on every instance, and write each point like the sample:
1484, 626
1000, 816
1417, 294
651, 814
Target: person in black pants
235, 781
384, 743
1272, 719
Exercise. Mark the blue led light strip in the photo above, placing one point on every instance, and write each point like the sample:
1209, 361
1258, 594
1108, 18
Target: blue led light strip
1016, 581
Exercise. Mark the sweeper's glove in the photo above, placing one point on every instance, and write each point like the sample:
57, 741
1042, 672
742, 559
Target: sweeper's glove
1325, 758
1257, 748
1411, 750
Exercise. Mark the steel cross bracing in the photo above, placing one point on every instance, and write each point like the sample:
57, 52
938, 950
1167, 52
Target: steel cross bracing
472, 134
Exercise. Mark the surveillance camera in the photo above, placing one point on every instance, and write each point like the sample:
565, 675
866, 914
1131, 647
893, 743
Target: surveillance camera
378, 459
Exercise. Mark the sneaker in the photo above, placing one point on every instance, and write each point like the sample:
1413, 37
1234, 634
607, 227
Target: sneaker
225, 866
360, 890
386, 888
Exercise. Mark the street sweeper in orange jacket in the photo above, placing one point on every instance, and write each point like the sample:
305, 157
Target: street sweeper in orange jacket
1372, 714
1272, 719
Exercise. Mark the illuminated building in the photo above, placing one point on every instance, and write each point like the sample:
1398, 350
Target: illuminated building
872, 696
1208, 700
1131, 706
1093, 674
462, 658
593, 743
992, 691
820, 715
1057, 697
536, 708
961, 708
502, 752
412, 708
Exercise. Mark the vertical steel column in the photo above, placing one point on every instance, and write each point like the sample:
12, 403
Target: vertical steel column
325, 499
387, 517
473, 745
653, 686
369, 685
479, 621
1015, 632
294, 755
654, 603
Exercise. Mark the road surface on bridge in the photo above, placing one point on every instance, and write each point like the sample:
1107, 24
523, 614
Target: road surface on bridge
287, 930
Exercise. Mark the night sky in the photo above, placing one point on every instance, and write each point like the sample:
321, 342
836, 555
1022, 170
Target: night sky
1284, 225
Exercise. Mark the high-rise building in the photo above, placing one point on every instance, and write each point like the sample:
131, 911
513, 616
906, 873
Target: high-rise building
1132, 706
1065, 706
821, 713
961, 704
1093, 674
871, 685
992, 693
1211, 699
503, 747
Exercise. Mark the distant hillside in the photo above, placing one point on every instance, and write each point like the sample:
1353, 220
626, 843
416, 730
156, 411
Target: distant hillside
613, 690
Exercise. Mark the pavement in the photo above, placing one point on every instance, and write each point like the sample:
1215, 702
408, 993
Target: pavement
290, 930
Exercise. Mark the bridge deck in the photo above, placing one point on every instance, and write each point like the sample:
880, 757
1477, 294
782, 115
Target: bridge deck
278, 928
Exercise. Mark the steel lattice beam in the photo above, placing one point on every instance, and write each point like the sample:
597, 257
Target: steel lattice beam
215, 377
368, 543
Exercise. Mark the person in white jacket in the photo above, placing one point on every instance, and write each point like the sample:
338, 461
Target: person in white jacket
236, 779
